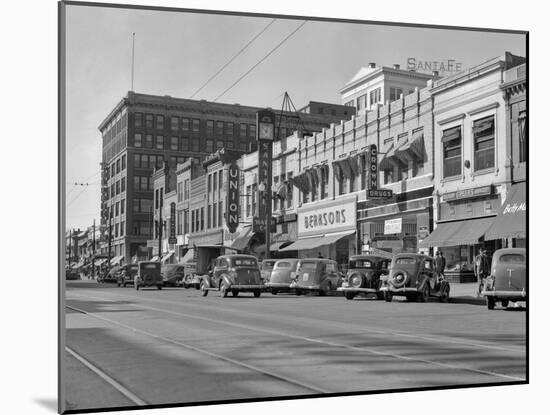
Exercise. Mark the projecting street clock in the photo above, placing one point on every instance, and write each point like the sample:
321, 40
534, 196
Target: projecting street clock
266, 125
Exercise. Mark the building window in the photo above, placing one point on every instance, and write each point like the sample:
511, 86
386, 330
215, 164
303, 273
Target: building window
148, 120
209, 217
220, 183
186, 221
219, 129
122, 228
180, 191
138, 120
123, 184
113, 170
522, 127
122, 204
179, 222
196, 126
185, 124
174, 123
229, 129
192, 221
484, 143
214, 184
395, 93
118, 166
202, 219
184, 144
174, 143
160, 142
123, 162
209, 146
243, 130
349, 104
252, 130
361, 102
148, 141
219, 144
117, 208
220, 213
388, 176
248, 191
452, 150
254, 195
375, 96
214, 215
157, 199
118, 187
195, 144
210, 128
186, 189
160, 122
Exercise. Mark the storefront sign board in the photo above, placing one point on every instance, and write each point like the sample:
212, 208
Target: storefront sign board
334, 216
392, 226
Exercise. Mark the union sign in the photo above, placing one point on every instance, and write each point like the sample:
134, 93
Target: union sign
232, 205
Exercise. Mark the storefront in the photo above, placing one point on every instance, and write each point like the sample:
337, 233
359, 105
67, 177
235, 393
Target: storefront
464, 218
396, 227
326, 229
510, 225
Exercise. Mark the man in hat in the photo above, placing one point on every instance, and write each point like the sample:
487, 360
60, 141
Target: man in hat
482, 269
440, 263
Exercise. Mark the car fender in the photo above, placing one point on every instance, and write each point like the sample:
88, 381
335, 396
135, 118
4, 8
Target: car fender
227, 279
206, 280
424, 280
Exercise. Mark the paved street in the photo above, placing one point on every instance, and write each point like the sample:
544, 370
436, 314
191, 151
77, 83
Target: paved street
128, 347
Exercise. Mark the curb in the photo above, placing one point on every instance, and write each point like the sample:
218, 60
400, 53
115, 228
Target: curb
467, 300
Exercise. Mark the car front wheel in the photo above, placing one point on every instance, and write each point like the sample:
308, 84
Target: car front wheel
444, 296
223, 289
490, 303
388, 296
504, 303
349, 295
257, 293
203, 289
424, 294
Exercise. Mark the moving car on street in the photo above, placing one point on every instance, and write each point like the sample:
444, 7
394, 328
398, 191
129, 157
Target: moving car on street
148, 275
206, 255
266, 268
191, 278
282, 275
127, 274
235, 274
112, 275
317, 275
413, 276
363, 276
507, 281
172, 274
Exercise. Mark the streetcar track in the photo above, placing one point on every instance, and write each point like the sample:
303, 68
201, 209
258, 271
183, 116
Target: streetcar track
317, 341
206, 352
356, 329
110, 380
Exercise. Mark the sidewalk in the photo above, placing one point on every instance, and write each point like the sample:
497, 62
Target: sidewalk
465, 294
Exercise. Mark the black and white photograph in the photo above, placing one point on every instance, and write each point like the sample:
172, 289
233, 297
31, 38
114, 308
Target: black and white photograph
265, 206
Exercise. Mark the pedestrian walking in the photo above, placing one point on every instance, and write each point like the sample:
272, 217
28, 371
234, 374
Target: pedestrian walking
440, 263
482, 268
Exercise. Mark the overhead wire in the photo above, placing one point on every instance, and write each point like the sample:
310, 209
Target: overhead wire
232, 59
260, 61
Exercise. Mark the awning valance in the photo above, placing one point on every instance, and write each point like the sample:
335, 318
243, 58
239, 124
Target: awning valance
411, 149
100, 261
451, 134
302, 182
116, 260
188, 256
464, 232
155, 258
511, 221
386, 163
241, 241
315, 242
277, 246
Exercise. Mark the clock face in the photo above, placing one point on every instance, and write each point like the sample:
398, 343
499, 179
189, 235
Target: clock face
266, 131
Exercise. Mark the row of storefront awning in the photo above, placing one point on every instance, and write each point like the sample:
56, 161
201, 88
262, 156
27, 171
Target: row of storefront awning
511, 222
404, 151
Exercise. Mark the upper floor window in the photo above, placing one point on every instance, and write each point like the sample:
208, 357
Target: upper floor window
148, 120
160, 122
123, 162
148, 141
452, 151
174, 143
395, 93
484, 143
160, 142
137, 140
219, 129
375, 96
138, 120
209, 128
196, 126
185, 124
229, 129
243, 130
522, 127
349, 104
118, 166
174, 123
252, 130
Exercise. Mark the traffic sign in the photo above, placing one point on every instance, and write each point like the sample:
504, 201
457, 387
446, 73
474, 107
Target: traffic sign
379, 193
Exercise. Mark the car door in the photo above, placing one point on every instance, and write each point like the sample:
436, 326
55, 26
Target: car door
331, 272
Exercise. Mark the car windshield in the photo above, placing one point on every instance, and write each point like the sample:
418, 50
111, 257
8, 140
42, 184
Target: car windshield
308, 266
245, 262
405, 261
513, 259
284, 265
361, 263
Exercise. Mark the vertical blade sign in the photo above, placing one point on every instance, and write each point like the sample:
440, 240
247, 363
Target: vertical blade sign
232, 205
373, 167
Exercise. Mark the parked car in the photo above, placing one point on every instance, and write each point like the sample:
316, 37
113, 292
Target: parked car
191, 278
282, 275
363, 276
413, 276
508, 278
172, 274
71, 274
317, 275
235, 274
266, 267
127, 275
112, 275
148, 275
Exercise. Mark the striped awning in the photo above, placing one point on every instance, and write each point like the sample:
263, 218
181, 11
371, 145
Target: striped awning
462, 232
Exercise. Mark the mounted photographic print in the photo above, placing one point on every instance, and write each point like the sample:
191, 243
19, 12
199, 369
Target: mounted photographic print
268, 207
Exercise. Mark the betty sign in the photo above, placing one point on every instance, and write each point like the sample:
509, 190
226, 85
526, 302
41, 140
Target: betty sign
325, 218
232, 205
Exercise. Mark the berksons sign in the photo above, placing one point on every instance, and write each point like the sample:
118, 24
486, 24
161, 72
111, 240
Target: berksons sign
329, 217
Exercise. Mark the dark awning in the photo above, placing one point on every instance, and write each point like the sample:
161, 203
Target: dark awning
511, 221
412, 149
464, 232
314, 242
385, 163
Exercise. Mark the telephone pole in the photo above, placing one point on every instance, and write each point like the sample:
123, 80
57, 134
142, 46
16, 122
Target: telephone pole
93, 251
160, 229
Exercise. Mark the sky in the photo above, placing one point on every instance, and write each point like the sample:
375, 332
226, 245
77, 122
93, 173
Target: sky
177, 52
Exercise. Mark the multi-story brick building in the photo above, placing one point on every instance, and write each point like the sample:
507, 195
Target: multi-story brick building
143, 132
